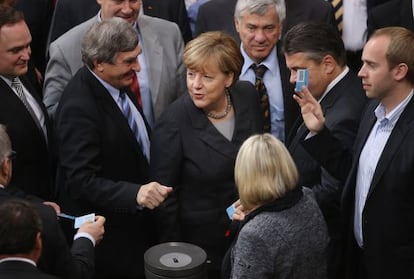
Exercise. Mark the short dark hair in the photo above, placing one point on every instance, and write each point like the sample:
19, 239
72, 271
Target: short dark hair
316, 40
9, 15
19, 226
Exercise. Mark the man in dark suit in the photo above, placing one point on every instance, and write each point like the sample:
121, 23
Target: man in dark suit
378, 199
259, 24
56, 257
319, 48
22, 110
219, 15
103, 143
393, 13
69, 13
20, 241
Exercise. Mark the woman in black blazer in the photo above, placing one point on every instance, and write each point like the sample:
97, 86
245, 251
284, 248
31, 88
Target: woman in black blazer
195, 143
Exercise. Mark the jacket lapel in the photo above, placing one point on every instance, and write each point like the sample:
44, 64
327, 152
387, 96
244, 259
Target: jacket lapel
206, 131
111, 108
394, 143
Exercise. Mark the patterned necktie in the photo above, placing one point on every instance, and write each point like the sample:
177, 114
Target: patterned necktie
18, 88
264, 98
135, 89
137, 125
339, 12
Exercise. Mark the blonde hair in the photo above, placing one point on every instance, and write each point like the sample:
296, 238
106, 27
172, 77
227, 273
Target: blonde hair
214, 48
264, 171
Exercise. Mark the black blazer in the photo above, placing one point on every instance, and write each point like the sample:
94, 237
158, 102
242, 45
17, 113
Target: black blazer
22, 270
217, 15
393, 13
387, 218
100, 169
191, 155
38, 16
291, 108
33, 168
57, 258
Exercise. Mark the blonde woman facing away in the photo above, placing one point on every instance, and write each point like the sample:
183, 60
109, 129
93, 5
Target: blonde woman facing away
283, 234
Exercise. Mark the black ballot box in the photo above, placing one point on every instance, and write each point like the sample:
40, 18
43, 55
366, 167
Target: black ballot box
178, 260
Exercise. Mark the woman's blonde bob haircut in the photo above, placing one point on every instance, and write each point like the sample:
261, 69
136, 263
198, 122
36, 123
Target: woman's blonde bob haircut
214, 48
264, 171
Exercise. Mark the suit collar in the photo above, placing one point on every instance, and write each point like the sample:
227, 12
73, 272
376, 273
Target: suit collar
111, 108
208, 133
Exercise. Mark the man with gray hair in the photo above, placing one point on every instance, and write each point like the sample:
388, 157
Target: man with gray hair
103, 142
259, 24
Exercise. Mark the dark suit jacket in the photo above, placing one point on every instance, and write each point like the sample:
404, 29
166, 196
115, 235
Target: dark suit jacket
57, 258
69, 13
342, 107
298, 11
393, 13
387, 218
100, 169
22, 270
33, 168
38, 16
219, 15
291, 109
189, 154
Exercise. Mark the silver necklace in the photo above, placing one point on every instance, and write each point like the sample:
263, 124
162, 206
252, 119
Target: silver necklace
225, 112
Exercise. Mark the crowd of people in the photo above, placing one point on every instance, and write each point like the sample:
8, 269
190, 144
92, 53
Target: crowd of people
159, 120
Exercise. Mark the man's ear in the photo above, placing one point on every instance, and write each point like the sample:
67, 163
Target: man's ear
329, 64
38, 246
6, 171
400, 71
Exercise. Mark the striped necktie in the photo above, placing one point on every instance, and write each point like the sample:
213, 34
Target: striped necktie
18, 88
137, 126
339, 12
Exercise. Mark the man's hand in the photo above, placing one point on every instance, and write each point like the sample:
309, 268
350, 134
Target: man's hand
311, 110
152, 194
95, 229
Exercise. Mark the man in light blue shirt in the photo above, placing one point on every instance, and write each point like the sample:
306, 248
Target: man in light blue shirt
259, 24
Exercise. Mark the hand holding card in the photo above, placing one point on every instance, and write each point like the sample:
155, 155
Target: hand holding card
302, 79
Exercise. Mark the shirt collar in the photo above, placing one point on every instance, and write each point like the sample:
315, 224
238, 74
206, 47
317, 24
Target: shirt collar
334, 82
393, 115
19, 259
271, 61
112, 90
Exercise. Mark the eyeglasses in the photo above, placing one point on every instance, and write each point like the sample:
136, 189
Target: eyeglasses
12, 155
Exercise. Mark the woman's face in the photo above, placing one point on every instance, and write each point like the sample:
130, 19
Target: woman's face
207, 87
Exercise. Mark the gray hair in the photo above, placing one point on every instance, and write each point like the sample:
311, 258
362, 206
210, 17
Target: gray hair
5, 144
260, 7
107, 38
